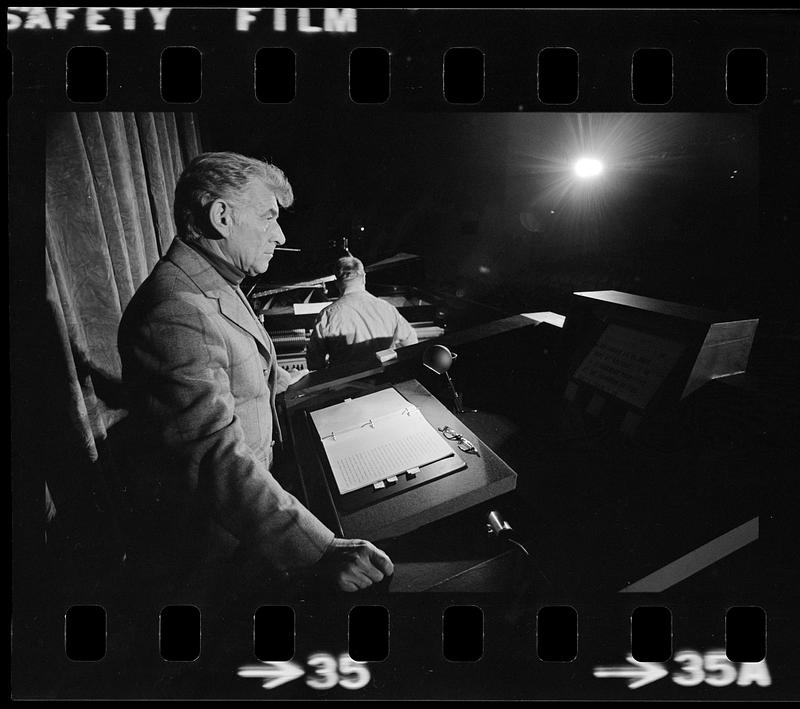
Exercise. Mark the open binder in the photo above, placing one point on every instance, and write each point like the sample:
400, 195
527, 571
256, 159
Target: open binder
373, 439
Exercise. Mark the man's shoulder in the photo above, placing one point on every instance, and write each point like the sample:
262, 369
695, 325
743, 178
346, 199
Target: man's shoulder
359, 298
345, 303
167, 282
328, 313
381, 304
342, 303
358, 302
166, 290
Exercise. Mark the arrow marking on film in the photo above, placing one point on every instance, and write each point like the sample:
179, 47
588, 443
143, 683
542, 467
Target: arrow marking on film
274, 674
638, 673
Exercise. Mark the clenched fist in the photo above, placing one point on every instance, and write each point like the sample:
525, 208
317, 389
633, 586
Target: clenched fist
355, 564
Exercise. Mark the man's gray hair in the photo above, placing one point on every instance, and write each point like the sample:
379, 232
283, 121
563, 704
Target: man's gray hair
211, 176
348, 268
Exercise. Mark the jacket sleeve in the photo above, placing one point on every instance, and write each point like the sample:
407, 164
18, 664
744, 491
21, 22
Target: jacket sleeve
283, 378
316, 350
179, 360
404, 334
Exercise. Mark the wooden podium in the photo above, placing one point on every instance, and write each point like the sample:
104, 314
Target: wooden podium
409, 504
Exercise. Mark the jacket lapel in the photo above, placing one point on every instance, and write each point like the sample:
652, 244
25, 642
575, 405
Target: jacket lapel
208, 279
233, 308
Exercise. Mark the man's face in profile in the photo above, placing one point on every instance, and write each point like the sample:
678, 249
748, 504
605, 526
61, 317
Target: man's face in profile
255, 231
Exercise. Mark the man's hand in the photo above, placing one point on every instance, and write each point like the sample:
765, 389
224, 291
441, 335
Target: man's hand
297, 376
356, 564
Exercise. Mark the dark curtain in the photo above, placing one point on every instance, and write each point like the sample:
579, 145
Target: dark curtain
110, 184
110, 181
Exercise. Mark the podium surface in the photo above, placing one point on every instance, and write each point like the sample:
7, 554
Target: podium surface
407, 504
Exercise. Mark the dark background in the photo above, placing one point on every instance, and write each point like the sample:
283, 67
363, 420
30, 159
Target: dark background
490, 203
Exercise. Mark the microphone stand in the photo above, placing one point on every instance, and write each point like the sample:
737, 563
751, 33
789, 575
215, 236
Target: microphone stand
458, 401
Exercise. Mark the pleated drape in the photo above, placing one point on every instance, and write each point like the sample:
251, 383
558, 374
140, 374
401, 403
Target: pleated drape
108, 205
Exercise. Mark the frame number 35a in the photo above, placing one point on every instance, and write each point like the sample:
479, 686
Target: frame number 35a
712, 668
715, 669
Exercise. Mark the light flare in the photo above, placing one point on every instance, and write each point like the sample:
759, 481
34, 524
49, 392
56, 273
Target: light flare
588, 167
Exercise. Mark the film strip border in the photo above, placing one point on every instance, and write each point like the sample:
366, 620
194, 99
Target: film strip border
368, 633
441, 61
490, 60
450, 646
463, 75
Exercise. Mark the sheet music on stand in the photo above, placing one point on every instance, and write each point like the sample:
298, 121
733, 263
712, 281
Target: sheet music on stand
376, 437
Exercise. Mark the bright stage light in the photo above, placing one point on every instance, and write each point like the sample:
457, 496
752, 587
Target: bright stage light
588, 167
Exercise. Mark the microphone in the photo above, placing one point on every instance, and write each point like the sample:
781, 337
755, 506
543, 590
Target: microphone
439, 359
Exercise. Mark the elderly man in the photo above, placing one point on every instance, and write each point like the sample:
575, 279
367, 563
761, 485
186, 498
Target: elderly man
203, 377
358, 324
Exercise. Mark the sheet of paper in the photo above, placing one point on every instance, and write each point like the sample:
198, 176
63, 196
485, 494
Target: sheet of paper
375, 437
309, 308
396, 444
352, 413
629, 364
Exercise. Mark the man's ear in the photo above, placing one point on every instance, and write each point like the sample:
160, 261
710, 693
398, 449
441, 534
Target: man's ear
220, 217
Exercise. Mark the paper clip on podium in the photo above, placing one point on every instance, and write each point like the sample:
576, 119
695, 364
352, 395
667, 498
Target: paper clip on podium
410, 474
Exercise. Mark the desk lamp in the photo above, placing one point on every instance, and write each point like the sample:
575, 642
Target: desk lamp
439, 359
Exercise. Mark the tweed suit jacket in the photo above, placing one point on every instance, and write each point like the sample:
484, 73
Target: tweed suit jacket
203, 377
